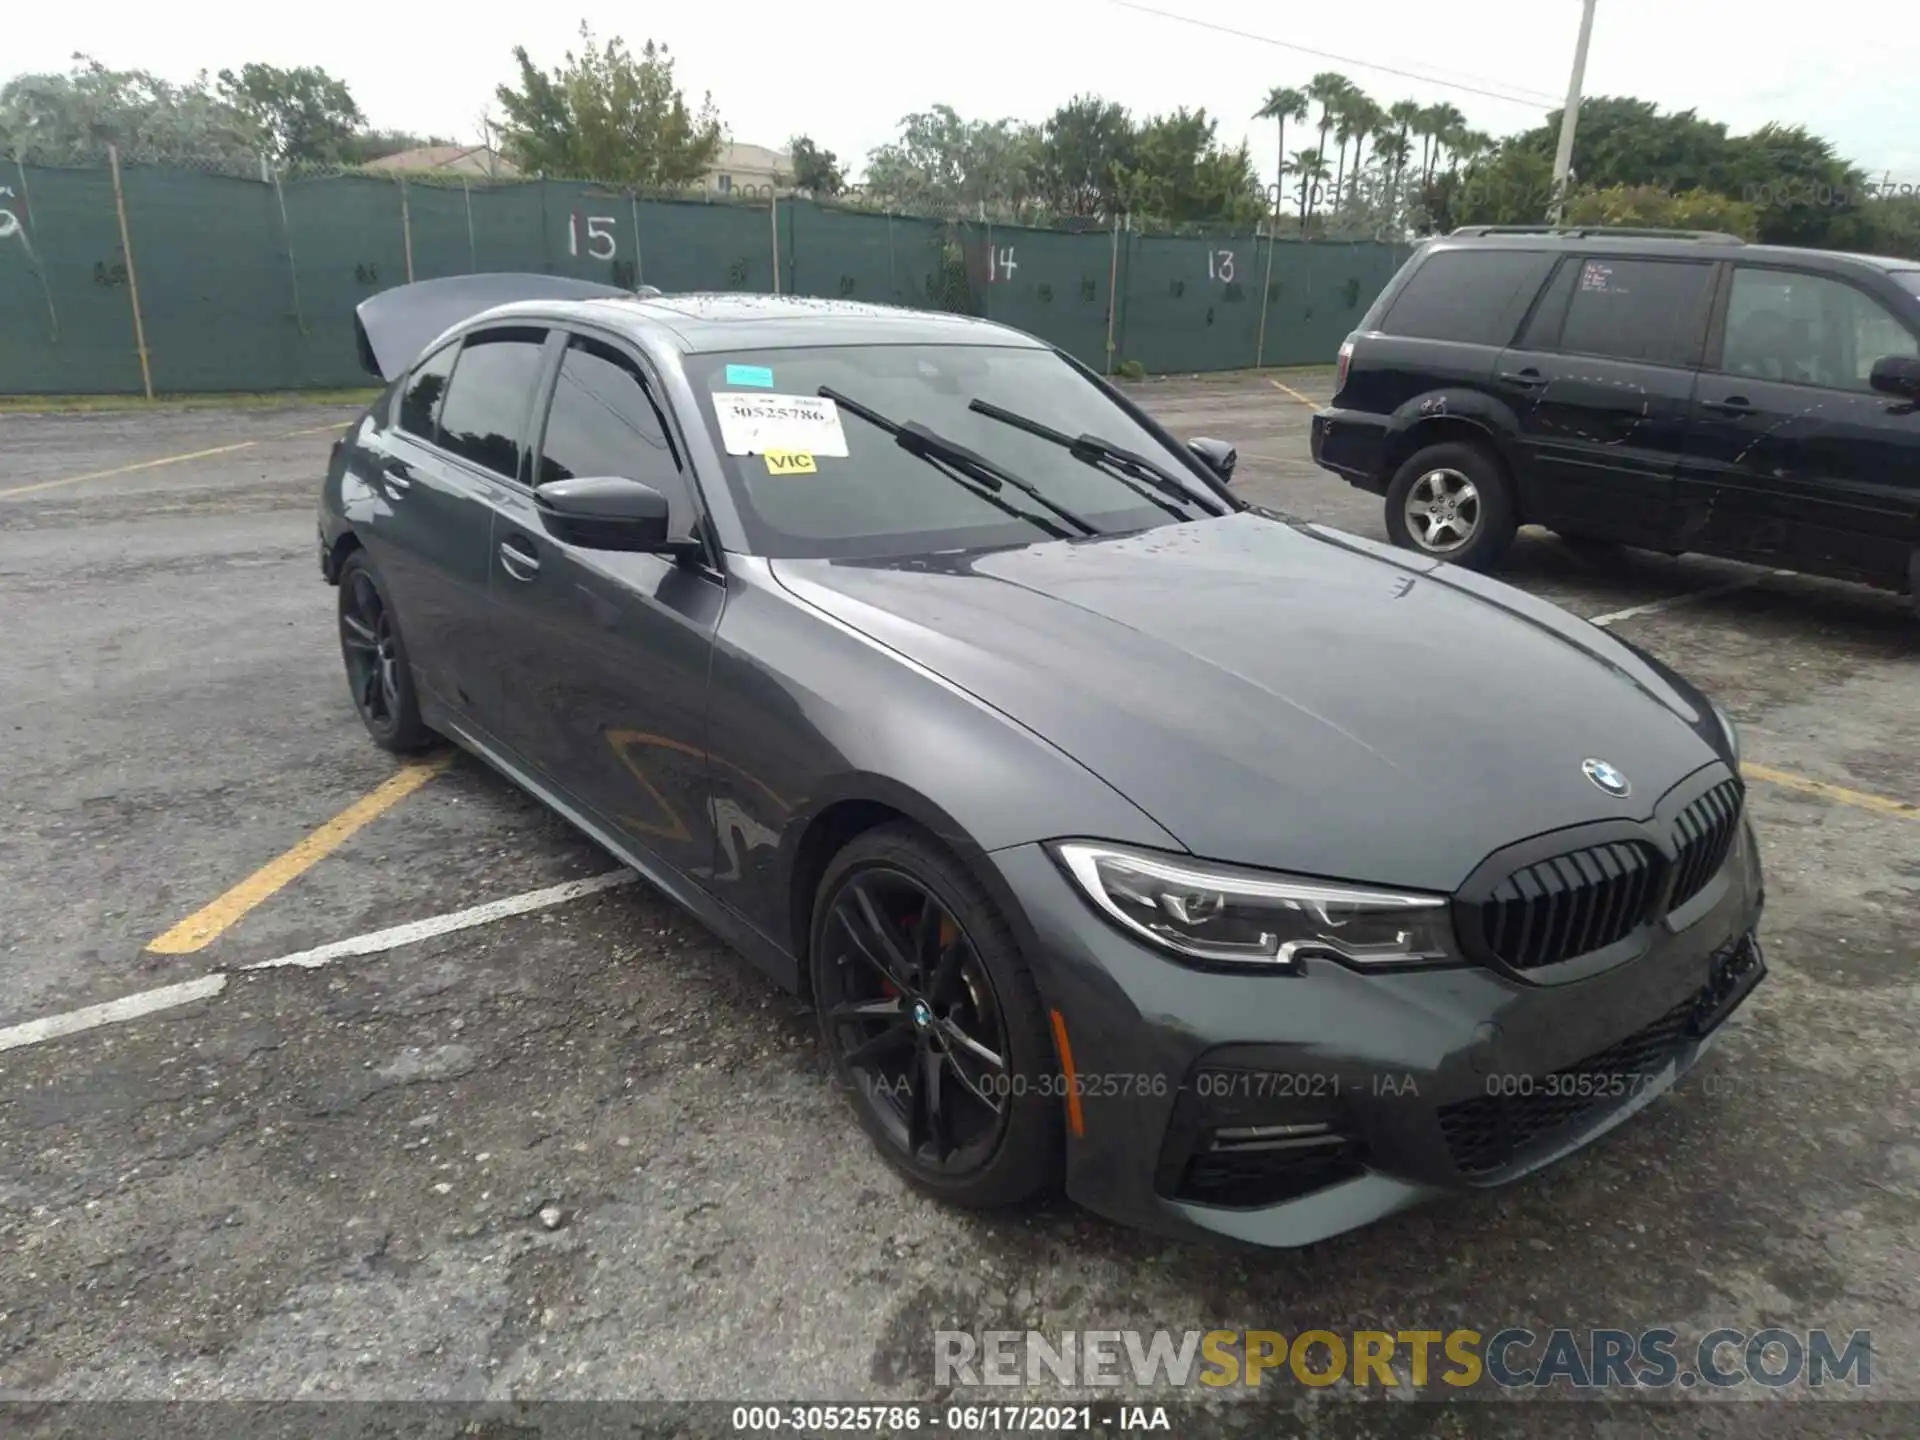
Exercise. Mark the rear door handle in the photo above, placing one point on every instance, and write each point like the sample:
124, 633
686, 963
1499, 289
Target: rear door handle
398, 473
1525, 379
518, 561
1732, 405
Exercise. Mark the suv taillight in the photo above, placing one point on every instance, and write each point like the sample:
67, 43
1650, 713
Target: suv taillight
1340, 371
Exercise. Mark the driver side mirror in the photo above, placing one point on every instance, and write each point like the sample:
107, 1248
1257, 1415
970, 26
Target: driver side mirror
606, 512
1220, 457
1897, 375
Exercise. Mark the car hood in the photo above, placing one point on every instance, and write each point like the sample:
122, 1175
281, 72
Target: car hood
1288, 696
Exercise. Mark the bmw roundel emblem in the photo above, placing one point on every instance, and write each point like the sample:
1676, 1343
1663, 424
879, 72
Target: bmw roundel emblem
1607, 777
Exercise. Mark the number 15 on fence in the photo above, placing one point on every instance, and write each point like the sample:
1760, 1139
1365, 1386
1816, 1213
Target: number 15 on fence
599, 235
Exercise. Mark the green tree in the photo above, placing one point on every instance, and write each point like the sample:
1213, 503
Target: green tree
72, 117
1086, 147
1283, 103
1651, 206
815, 171
304, 113
1180, 174
608, 114
942, 162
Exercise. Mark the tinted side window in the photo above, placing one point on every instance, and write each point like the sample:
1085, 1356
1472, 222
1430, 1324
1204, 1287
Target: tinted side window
603, 422
485, 412
1472, 296
420, 400
1807, 330
1647, 310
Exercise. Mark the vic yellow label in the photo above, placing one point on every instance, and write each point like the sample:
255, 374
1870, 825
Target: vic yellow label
790, 462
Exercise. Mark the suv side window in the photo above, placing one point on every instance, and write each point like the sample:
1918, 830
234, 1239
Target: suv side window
1474, 297
1652, 311
1803, 329
603, 421
420, 397
484, 416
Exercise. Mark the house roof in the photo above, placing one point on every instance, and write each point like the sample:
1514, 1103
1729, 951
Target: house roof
466, 159
751, 157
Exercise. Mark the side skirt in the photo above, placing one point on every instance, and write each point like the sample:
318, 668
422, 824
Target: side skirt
718, 917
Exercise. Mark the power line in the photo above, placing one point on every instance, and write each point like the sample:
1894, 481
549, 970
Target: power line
1532, 100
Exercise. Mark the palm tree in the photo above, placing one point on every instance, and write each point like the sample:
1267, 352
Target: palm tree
1311, 168
1284, 103
1443, 122
1404, 115
1327, 89
1343, 117
1364, 118
1471, 146
1391, 150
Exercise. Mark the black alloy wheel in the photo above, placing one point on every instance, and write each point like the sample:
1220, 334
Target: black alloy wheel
377, 674
931, 1022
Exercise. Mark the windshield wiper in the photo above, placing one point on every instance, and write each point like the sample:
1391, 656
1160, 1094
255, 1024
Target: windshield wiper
1098, 453
917, 439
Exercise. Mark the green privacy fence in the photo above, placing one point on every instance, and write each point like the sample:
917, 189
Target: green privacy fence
248, 282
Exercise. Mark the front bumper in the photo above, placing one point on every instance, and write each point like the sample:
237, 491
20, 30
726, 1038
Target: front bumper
1353, 445
1281, 1109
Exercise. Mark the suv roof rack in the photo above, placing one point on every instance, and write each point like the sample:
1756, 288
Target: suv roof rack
1582, 232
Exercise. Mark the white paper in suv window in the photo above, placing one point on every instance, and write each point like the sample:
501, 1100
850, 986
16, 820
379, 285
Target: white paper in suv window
754, 423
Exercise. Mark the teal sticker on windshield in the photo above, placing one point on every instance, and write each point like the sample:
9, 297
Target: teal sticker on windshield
750, 375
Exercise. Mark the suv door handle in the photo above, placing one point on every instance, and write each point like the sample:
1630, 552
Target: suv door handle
1732, 405
398, 474
1528, 379
519, 562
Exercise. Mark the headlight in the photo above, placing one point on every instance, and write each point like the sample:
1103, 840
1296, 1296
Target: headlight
1222, 914
1733, 731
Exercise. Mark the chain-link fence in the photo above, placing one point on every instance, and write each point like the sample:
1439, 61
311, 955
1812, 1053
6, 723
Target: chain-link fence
129, 277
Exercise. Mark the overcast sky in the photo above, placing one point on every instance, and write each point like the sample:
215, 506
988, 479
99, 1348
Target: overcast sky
845, 71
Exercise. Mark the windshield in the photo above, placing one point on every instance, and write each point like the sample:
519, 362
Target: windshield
1909, 280
823, 481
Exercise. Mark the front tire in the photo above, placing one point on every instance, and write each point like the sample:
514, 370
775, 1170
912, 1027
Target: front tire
1452, 501
933, 1023
379, 677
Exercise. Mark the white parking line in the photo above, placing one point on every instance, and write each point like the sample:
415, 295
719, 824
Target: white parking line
417, 930
169, 997
127, 1007
1674, 602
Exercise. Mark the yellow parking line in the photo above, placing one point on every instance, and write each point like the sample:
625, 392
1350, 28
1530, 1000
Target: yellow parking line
125, 469
315, 430
1289, 390
1837, 793
207, 924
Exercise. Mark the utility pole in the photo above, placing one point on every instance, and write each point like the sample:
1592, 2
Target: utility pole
1570, 117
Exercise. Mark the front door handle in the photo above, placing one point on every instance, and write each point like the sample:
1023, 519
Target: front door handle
398, 474
1732, 405
519, 562
1528, 379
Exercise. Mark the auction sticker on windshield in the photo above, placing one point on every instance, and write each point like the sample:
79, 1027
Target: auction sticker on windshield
753, 424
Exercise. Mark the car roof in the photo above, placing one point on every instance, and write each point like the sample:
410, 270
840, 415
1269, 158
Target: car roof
730, 321
1599, 242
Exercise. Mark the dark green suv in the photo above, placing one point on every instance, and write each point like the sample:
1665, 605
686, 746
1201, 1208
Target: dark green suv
1678, 390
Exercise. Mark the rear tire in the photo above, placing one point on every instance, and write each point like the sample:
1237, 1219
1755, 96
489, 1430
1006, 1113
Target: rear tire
1452, 502
930, 991
379, 676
